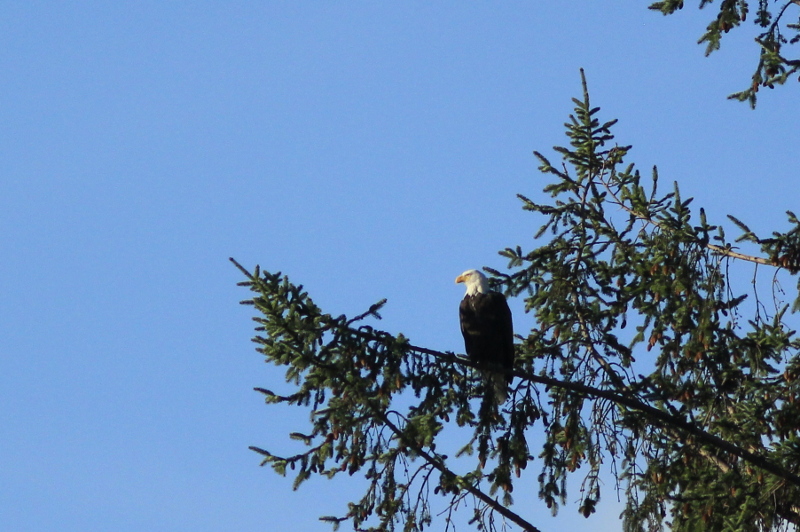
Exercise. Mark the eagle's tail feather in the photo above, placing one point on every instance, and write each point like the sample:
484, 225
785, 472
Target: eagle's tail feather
497, 385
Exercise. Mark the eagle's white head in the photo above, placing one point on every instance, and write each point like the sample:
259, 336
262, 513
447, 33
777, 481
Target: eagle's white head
476, 282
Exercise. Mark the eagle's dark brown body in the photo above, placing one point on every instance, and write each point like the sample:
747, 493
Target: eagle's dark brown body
488, 333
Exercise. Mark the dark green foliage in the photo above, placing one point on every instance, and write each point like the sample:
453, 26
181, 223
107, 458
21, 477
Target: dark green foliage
779, 28
377, 405
641, 364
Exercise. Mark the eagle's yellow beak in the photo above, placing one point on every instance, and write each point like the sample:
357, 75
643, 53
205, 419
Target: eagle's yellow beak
460, 279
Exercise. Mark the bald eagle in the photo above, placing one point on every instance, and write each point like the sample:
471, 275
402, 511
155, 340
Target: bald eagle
488, 330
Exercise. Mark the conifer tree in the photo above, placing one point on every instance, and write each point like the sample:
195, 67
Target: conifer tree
643, 359
779, 29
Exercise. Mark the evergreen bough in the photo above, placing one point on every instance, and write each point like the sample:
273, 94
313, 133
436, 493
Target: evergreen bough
641, 363
779, 30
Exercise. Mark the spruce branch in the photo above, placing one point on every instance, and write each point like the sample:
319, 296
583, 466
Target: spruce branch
693, 433
470, 488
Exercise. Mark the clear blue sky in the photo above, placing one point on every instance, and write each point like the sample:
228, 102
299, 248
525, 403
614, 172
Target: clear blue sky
367, 149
